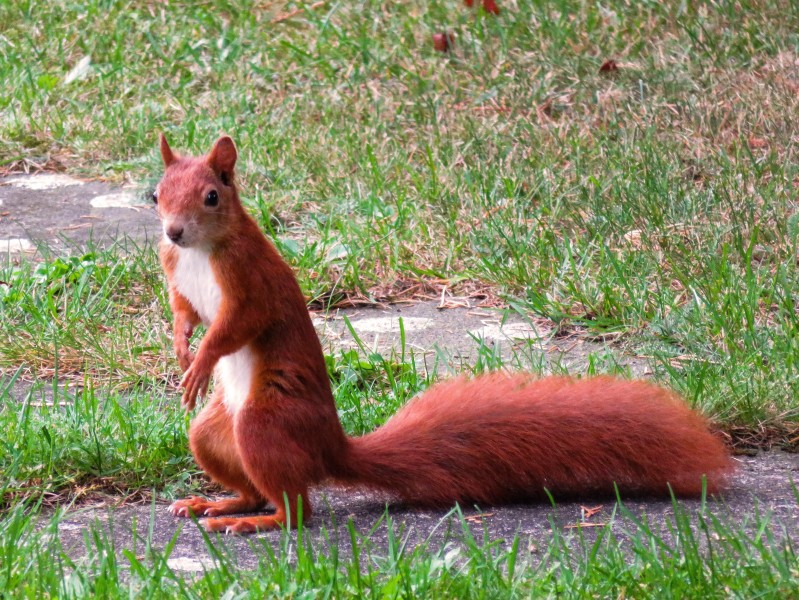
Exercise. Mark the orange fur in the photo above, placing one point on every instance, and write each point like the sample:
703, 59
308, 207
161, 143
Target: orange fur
271, 428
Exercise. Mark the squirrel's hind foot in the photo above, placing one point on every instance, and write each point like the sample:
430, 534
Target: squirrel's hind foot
241, 525
255, 523
200, 507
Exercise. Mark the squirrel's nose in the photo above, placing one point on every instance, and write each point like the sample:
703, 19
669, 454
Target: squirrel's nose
174, 233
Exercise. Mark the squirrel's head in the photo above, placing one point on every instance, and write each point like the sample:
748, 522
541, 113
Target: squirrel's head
197, 199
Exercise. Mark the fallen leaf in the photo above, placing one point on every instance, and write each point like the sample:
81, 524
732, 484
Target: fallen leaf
588, 512
609, 66
478, 518
633, 237
297, 11
490, 6
443, 42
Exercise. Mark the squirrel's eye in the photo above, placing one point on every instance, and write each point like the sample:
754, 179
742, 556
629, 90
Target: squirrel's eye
155, 197
212, 199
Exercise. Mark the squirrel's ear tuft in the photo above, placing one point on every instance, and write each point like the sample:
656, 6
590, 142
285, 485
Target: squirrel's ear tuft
222, 157
166, 152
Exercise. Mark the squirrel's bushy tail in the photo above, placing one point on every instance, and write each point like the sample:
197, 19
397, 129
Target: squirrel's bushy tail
504, 438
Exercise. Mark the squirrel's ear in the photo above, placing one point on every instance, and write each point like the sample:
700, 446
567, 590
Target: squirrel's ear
166, 152
222, 157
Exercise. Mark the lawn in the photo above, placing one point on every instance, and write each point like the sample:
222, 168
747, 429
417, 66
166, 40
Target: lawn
649, 202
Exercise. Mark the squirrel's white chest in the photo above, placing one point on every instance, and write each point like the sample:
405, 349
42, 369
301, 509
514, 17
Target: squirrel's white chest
195, 280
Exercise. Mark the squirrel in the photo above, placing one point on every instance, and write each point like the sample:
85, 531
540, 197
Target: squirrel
270, 429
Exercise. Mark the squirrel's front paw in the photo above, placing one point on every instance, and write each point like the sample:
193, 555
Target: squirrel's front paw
185, 358
195, 382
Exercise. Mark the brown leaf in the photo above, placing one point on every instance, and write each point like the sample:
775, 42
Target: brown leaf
756, 143
443, 42
589, 512
478, 518
490, 6
297, 11
609, 66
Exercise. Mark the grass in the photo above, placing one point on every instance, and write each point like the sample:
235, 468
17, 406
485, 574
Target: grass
653, 205
697, 557
98, 311
59, 440
655, 202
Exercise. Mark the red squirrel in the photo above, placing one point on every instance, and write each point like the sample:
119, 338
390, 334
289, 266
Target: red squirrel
270, 429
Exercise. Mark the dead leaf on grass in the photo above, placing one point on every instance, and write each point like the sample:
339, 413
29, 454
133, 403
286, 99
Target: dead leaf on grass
609, 66
297, 11
490, 6
443, 42
633, 237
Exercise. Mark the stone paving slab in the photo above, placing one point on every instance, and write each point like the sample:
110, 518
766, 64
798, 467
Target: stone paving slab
63, 211
445, 340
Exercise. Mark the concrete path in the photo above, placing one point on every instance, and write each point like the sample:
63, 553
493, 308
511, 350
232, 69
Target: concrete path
762, 484
64, 213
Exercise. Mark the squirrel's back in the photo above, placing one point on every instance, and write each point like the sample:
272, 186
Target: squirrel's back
502, 438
